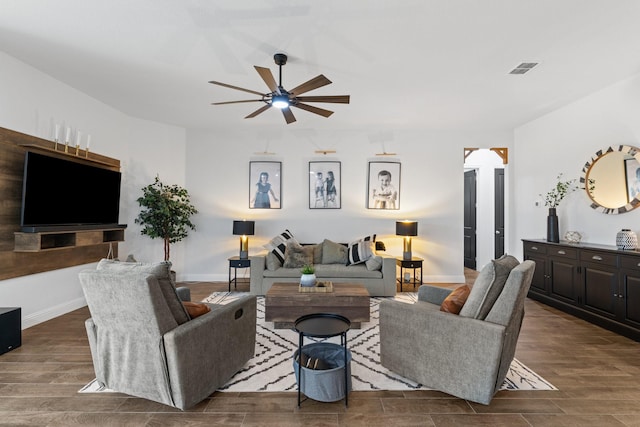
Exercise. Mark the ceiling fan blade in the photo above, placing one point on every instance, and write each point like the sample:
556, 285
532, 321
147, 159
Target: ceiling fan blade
288, 115
314, 83
338, 99
267, 76
237, 88
236, 102
258, 111
312, 109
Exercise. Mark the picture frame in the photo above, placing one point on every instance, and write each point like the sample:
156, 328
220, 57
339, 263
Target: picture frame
631, 179
383, 186
265, 185
325, 187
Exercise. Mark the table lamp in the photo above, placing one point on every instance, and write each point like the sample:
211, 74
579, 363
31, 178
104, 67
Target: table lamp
244, 229
406, 229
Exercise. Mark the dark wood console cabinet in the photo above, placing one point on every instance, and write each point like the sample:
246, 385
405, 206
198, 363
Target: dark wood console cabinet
597, 283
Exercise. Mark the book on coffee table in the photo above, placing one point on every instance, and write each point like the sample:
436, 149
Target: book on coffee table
318, 287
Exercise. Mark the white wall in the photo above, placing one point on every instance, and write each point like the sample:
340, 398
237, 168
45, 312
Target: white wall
31, 101
563, 141
431, 193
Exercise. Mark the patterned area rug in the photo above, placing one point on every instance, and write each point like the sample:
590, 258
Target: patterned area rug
271, 369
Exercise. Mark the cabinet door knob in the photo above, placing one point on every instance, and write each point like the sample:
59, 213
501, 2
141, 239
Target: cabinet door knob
597, 257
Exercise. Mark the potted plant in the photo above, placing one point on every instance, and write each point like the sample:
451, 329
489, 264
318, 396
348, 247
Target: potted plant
166, 213
552, 200
308, 277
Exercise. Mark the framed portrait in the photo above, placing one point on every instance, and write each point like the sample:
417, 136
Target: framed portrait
265, 185
383, 185
324, 185
632, 176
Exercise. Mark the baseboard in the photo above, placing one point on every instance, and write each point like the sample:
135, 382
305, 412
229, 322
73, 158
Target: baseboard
205, 278
52, 312
443, 279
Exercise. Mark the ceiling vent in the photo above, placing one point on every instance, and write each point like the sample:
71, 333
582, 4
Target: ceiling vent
523, 68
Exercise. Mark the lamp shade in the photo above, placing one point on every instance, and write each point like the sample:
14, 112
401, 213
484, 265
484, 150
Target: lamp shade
243, 228
406, 228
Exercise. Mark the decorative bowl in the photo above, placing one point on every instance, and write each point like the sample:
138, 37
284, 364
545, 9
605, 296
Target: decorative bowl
572, 237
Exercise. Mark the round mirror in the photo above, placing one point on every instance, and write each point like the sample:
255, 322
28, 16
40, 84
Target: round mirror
612, 179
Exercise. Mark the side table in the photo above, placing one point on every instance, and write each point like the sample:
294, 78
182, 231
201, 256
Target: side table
324, 325
413, 264
235, 263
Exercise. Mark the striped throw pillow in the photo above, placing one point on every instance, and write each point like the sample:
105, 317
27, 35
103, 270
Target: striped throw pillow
361, 250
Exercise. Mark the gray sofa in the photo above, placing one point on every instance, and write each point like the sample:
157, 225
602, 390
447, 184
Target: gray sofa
144, 343
378, 275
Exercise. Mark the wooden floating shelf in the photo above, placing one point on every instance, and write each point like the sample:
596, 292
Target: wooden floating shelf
71, 152
54, 240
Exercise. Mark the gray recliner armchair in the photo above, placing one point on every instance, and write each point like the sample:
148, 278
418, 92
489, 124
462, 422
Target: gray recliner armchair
143, 342
468, 354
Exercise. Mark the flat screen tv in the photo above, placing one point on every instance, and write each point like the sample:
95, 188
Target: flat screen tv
60, 194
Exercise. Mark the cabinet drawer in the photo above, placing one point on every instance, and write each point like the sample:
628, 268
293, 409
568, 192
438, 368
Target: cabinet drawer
240, 263
601, 258
535, 248
632, 262
409, 264
563, 252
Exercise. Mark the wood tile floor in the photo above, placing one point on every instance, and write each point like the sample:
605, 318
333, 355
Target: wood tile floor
597, 373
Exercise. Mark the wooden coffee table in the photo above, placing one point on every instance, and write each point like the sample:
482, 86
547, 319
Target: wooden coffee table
284, 303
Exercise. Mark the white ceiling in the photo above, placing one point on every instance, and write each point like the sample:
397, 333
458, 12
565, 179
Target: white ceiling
432, 64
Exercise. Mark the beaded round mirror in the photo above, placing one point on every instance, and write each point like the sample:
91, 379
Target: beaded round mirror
611, 179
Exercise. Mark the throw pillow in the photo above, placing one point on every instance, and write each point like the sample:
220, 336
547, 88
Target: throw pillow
273, 263
196, 309
278, 244
333, 253
454, 302
297, 256
488, 286
361, 250
374, 263
317, 253
162, 271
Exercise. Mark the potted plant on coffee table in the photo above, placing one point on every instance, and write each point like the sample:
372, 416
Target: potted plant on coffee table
166, 213
308, 277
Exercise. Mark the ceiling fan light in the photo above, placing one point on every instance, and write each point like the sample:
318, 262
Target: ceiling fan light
280, 101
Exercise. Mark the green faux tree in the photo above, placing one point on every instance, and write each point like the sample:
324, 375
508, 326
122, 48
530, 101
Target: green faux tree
166, 213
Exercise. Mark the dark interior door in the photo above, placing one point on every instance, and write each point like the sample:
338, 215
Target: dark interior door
499, 212
470, 219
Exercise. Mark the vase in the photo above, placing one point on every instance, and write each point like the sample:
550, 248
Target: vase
626, 239
308, 280
552, 227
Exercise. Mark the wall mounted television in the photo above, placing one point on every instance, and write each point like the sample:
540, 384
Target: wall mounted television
60, 195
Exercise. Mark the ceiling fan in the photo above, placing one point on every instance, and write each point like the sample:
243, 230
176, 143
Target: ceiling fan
281, 98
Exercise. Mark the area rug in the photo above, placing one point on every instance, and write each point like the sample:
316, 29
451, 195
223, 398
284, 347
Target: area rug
271, 369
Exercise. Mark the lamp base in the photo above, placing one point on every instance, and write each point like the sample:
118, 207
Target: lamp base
244, 254
406, 256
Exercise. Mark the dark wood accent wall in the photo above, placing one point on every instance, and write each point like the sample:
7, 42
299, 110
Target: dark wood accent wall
13, 146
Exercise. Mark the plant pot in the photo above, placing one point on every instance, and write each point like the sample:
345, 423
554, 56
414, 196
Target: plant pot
552, 227
308, 280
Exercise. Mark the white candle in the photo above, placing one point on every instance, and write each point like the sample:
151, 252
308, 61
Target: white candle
57, 133
88, 140
78, 138
68, 135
